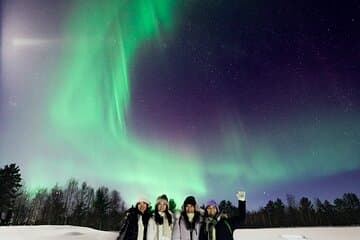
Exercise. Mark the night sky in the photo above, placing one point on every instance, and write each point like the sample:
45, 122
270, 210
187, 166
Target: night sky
183, 97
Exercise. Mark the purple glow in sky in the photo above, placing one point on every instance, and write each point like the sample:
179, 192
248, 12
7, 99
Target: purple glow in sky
213, 96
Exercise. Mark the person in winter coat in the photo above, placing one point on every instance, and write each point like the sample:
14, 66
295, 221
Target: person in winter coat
187, 226
161, 224
135, 223
217, 226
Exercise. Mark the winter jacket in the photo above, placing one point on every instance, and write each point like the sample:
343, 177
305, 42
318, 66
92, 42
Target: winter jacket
184, 230
157, 224
224, 227
129, 228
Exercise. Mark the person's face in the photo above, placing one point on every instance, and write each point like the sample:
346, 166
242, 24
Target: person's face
161, 207
142, 206
211, 210
189, 208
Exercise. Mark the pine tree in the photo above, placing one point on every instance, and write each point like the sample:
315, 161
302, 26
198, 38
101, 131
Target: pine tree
10, 179
101, 206
291, 210
172, 205
270, 212
329, 210
228, 208
116, 209
306, 211
279, 213
320, 212
340, 210
351, 208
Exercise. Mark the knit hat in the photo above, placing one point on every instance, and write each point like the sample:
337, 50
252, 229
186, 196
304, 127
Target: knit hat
190, 200
163, 198
143, 199
211, 202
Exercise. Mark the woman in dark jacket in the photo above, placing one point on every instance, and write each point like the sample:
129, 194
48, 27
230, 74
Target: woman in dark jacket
135, 223
217, 226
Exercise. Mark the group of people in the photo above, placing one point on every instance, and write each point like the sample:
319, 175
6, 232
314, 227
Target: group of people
189, 224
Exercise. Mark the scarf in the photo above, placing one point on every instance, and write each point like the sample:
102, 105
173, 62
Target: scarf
141, 229
190, 216
164, 230
210, 228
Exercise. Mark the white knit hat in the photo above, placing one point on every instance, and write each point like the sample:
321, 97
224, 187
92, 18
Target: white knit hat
163, 198
143, 199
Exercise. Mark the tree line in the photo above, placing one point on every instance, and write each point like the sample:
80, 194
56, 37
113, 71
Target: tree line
343, 211
73, 204
82, 205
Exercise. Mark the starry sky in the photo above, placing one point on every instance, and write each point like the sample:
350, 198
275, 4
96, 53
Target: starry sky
183, 97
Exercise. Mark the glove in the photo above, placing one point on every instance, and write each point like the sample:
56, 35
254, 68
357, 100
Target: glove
240, 196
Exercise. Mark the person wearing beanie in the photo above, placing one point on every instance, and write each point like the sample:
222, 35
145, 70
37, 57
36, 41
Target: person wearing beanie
217, 226
161, 223
135, 223
187, 226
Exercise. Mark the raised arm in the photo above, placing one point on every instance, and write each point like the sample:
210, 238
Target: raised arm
239, 219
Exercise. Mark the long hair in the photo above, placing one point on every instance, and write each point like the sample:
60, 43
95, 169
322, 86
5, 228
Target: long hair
145, 216
159, 219
190, 225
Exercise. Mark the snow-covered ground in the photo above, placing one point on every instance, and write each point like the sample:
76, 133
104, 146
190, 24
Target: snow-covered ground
52, 232
313, 233
82, 233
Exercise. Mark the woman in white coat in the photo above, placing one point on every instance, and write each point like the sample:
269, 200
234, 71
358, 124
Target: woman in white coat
187, 226
161, 223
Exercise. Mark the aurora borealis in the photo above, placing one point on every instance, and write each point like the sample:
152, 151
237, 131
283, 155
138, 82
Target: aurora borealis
183, 97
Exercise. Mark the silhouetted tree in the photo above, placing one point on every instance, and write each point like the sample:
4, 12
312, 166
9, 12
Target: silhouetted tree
83, 199
22, 208
10, 179
37, 205
329, 211
279, 213
351, 208
228, 208
319, 213
172, 205
104, 210
54, 211
306, 211
116, 208
69, 198
270, 213
339, 206
291, 210
101, 206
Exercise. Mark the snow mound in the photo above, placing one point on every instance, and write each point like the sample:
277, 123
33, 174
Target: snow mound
83, 233
54, 233
292, 236
311, 233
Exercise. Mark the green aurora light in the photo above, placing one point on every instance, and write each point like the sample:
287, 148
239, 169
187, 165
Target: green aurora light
89, 110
